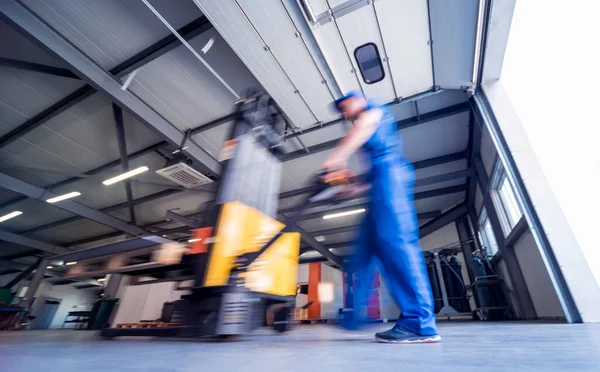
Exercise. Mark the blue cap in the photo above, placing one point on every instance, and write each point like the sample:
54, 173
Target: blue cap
354, 93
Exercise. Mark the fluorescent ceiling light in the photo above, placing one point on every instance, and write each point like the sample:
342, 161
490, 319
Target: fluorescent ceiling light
342, 214
320, 238
49, 267
63, 197
10, 215
194, 240
102, 280
71, 263
126, 175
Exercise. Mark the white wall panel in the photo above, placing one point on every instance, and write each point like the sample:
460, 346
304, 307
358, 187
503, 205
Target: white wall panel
536, 276
358, 28
336, 55
445, 237
329, 275
231, 23
453, 29
405, 28
272, 22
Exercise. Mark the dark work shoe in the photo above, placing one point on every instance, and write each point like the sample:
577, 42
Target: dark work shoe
399, 335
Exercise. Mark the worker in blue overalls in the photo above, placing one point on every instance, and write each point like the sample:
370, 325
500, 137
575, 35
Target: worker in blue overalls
389, 233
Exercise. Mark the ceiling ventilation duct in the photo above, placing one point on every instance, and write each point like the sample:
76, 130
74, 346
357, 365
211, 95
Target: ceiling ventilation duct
180, 170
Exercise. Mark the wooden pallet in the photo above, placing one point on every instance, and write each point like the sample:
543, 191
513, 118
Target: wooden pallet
147, 325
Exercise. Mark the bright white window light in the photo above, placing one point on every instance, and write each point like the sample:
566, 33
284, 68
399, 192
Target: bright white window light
343, 214
126, 175
10, 215
194, 240
64, 197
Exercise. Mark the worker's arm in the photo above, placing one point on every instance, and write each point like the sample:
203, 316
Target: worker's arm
364, 127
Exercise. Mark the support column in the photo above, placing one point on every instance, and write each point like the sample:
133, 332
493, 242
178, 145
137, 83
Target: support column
466, 244
34, 285
112, 285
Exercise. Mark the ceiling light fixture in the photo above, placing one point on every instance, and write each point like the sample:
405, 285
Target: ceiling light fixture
101, 280
10, 215
320, 238
194, 240
126, 175
49, 267
343, 214
71, 263
63, 197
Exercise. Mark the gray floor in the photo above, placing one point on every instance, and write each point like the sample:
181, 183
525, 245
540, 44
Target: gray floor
466, 346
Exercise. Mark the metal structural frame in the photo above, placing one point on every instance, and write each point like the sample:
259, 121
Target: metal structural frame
483, 110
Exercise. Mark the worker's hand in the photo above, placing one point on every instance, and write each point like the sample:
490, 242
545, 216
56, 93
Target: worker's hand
333, 164
353, 191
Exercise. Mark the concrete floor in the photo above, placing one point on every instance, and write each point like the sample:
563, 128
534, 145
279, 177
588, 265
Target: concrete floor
466, 346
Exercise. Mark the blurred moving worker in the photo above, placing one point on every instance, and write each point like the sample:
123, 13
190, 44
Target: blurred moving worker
389, 232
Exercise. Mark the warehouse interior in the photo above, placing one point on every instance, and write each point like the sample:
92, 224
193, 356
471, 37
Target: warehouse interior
93, 90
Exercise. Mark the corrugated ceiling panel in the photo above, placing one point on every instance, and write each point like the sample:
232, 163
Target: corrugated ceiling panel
359, 28
235, 28
183, 203
440, 137
454, 30
96, 195
29, 175
112, 31
439, 202
23, 94
272, 22
7, 195
336, 55
15, 46
405, 28
440, 100
440, 170
7, 249
35, 213
77, 140
212, 140
184, 91
73, 231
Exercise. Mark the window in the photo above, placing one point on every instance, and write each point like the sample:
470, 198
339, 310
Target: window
505, 200
369, 63
486, 234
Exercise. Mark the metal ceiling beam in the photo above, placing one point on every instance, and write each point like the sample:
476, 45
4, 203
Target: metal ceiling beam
6, 264
402, 124
24, 274
337, 230
313, 243
37, 67
446, 218
34, 192
32, 243
170, 215
122, 141
433, 115
142, 58
112, 208
103, 81
444, 159
288, 194
445, 177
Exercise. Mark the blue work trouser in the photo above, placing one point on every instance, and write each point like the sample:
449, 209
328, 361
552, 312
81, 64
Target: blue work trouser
390, 235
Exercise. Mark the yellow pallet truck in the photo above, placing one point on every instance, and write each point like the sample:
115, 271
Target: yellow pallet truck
252, 262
